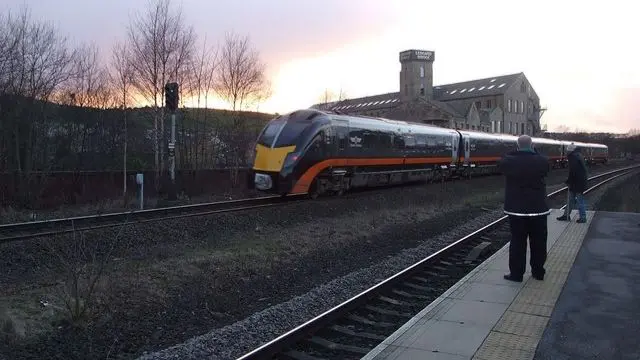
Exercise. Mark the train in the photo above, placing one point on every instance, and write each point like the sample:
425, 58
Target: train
320, 152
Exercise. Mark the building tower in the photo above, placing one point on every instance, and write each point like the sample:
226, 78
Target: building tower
416, 74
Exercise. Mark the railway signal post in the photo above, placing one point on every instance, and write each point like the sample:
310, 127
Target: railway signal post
171, 103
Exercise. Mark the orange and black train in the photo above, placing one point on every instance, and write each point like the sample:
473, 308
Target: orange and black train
322, 152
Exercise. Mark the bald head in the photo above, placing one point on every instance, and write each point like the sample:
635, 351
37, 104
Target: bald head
525, 142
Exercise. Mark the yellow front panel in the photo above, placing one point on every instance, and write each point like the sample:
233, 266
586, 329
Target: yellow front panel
268, 159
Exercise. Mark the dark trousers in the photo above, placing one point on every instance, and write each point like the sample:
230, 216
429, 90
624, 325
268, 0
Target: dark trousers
535, 228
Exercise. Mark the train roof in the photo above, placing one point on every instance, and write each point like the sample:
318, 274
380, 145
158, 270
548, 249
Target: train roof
390, 123
386, 123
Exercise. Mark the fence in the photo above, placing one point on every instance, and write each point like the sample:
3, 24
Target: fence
47, 190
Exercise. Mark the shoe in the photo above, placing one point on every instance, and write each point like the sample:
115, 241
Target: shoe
563, 218
538, 277
582, 221
512, 278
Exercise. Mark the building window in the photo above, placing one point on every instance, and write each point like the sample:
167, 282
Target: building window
489, 104
422, 89
421, 71
522, 129
406, 89
478, 104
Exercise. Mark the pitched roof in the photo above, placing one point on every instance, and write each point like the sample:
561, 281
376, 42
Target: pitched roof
443, 96
381, 101
495, 85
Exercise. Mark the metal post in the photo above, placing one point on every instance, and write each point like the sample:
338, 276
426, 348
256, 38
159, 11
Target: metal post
140, 182
172, 157
171, 102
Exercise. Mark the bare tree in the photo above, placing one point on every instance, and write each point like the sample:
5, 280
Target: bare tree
122, 78
202, 73
241, 75
240, 81
161, 46
329, 98
88, 80
34, 61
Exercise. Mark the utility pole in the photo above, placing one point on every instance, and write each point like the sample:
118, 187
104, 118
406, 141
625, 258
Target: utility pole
171, 103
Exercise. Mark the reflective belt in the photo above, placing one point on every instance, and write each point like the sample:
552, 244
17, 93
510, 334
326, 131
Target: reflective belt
519, 214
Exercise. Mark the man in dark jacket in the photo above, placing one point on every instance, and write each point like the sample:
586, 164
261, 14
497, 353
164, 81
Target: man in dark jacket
577, 183
525, 201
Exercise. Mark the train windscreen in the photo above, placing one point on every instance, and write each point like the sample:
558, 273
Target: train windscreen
269, 134
290, 133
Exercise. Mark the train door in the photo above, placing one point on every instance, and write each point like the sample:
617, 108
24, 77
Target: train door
341, 144
455, 146
467, 149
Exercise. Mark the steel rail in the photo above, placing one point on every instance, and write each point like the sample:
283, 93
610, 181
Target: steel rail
274, 346
31, 229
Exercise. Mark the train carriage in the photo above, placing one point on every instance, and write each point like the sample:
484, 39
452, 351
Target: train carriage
597, 153
554, 150
319, 152
482, 151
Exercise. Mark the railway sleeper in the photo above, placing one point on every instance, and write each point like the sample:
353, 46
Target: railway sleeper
336, 346
388, 312
298, 355
421, 279
397, 302
410, 295
437, 267
365, 321
417, 287
360, 334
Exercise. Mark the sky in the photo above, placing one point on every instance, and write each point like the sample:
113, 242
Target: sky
581, 57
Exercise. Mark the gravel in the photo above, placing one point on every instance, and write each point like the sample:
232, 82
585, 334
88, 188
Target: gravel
234, 340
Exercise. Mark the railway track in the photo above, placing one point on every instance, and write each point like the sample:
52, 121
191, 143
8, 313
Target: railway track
352, 329
34, 229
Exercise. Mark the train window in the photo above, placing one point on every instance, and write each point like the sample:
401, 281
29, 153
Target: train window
370, 140
385, 141
270, 132
290, 133
421, 141
398, 141
409, 141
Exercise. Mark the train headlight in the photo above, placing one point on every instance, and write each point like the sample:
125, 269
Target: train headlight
291, 159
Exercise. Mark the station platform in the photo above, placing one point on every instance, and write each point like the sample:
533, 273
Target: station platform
596, 315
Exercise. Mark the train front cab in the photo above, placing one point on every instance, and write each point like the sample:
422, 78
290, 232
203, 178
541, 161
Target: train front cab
275, 149
286, 149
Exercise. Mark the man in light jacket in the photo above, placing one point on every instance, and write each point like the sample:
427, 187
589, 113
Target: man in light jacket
525, 202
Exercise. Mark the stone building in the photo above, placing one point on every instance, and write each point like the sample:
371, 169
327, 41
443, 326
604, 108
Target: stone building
501, 104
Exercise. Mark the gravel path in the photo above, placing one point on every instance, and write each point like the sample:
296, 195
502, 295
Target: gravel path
176, 280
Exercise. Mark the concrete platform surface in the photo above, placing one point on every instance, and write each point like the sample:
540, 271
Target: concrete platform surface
598, 313
486, 317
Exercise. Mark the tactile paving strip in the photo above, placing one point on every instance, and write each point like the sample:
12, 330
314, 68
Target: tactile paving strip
521, 324
517, 333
